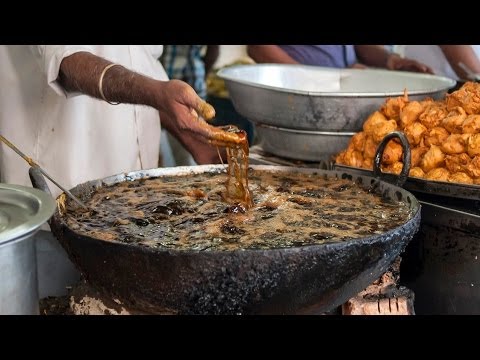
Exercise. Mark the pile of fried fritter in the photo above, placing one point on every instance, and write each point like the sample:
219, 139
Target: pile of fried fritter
444, 137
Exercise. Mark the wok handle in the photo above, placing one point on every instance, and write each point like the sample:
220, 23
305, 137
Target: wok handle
406, 157
38, 181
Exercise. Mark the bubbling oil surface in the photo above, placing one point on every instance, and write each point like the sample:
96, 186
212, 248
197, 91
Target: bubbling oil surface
189, 212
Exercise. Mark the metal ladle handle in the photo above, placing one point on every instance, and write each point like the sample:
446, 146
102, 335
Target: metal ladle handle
38, 181
73, 197
33, 164
406, 157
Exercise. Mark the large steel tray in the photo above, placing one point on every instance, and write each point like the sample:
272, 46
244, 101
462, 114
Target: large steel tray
318, 98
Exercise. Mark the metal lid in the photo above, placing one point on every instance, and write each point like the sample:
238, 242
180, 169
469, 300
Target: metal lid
22, 211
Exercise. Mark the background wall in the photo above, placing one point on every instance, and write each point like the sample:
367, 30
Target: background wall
230, 53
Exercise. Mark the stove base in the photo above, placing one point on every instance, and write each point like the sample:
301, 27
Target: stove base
383, 297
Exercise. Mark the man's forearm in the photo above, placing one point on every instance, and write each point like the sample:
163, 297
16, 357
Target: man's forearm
372, 55
269, 54
181, 110
82, 70
461, 54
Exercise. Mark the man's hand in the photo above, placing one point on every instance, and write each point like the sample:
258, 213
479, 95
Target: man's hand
182, 113
187, 112
395, 62
358, 66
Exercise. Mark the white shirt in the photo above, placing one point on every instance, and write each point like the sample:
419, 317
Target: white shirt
74, 137
432, 56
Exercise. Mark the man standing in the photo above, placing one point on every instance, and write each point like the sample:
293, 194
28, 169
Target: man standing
338, 56
84, 112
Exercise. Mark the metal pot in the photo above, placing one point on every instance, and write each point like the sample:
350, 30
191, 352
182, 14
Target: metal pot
441, 264
321, 99
306, 279
302, 144
22, 212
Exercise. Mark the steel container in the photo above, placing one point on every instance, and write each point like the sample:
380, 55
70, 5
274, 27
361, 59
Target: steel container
22, 212
321, 99
302, 144
442, 263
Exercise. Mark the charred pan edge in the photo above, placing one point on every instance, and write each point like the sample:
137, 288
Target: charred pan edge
442, 188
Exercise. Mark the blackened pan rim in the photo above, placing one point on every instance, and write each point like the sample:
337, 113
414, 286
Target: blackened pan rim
411, 178
414, 206
441, 188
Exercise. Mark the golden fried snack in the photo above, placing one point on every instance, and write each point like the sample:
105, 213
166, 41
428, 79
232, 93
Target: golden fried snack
465, 137
457, 163
370, 148
392, 107
392, 153
395, 168
410, 113
438, 174
353, 158
416, 172
473, 168
427, 101
473, 145
358, 141
432, 159
454, 120
471, 125
436, 136
444, 137
372, 121
415, 133
340, 158
434, 113
468, 97
460, 177
380, 130
367, 163
416, 155
455, 144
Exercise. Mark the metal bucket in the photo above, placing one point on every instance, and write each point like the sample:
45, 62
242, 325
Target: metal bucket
22, 212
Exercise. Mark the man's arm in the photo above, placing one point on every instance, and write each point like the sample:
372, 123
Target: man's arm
378, 56
181, 109
269, 54
81, 72
210, 57
457, 54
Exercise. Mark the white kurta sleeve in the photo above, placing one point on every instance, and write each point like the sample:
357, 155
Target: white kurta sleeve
49, 58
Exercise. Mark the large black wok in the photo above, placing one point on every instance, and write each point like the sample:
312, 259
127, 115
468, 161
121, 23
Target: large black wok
309, 279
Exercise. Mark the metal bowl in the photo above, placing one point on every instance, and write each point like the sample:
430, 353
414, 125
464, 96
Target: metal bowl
302, 144
318, 98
